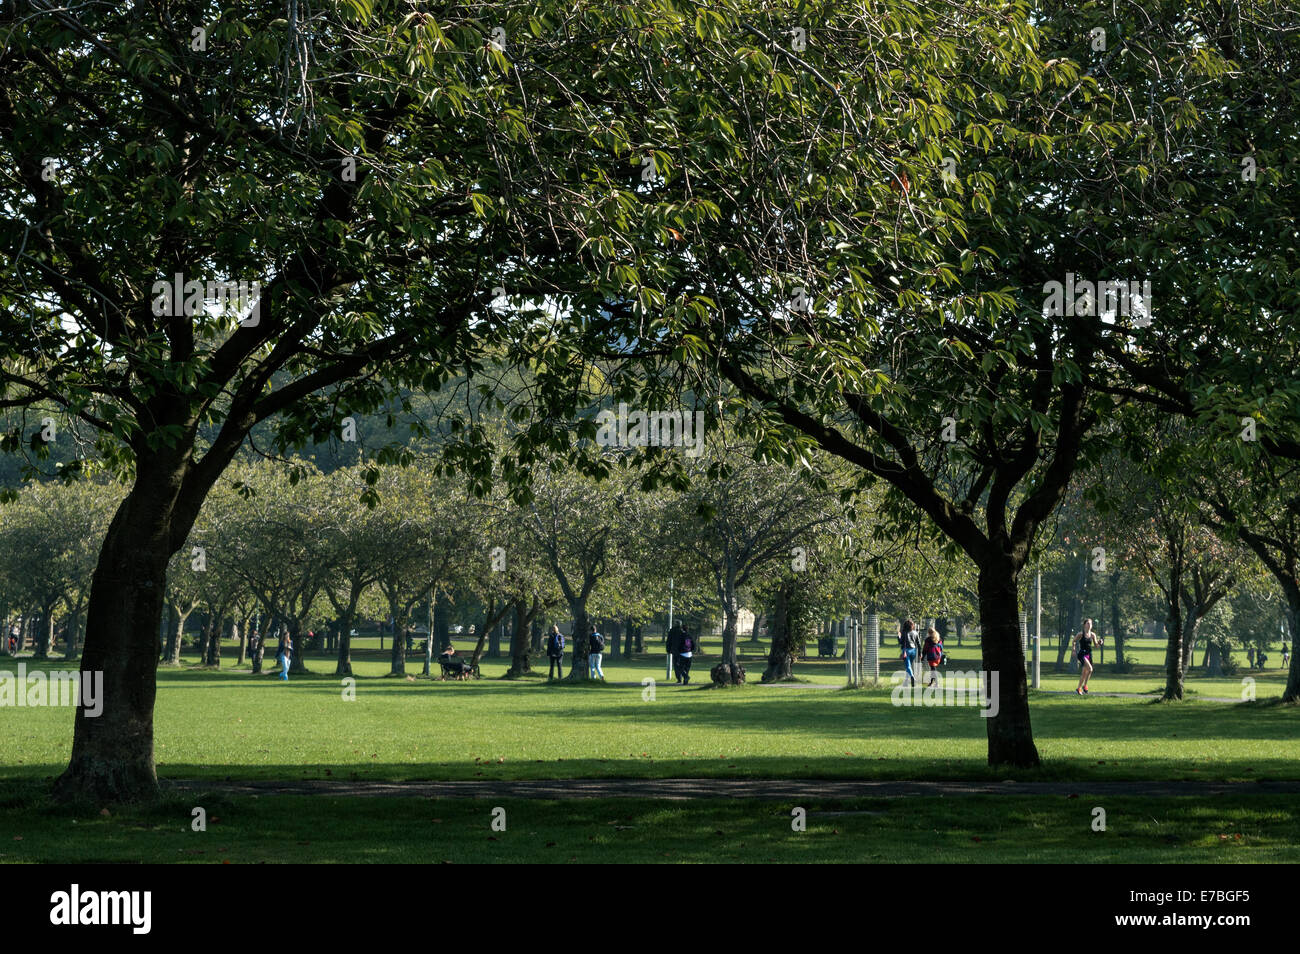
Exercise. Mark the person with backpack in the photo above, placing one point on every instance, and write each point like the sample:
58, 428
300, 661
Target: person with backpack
932, 655
686, 646
1085, 639
673, 643
595, 649
555, 652
909, 644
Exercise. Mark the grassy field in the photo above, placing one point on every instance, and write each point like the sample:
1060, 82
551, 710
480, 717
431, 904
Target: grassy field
1007, 829
230, 723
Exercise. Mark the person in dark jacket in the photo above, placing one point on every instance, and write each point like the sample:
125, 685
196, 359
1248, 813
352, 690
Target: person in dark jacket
555, 652
674, 650
255, 650
686, 647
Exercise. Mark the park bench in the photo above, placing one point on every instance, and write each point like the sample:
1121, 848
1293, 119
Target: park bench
457, 668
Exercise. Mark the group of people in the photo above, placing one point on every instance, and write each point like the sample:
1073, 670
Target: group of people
1258, 658
555, 653
928, 652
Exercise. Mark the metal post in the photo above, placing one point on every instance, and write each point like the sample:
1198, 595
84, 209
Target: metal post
871, 662
1038, 629
668, 673
1024, 638
850, 674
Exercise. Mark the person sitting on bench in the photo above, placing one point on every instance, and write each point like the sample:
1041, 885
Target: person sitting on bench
451, 666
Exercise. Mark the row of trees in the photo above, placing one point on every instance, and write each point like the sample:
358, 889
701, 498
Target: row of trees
300, 546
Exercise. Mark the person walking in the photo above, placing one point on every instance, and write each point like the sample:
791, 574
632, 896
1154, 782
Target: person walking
674, 647
1286, 655
932, 655
555, 652
285, 654
1085, 639
255, 650
909, 643
686, 651
595, 650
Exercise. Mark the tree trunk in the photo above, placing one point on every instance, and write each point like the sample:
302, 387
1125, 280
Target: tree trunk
1174, 647
442, 622
174, 638
205, 636
297, 665
728, 672
344, 665
397, 666
578, 664
1010, 735
1116, 627
70, 637
112, 754
1189, 634
1292, 691
213, 658
520, 657
961, 628
242, 636
780, 659
491, 617
615, 639
45, 646
1213, 659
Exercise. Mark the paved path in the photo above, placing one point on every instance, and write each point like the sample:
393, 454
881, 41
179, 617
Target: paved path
686, 788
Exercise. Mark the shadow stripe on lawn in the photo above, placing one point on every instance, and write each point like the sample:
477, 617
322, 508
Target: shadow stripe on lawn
687, 788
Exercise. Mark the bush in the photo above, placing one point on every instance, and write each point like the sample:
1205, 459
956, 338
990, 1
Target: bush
1122, 668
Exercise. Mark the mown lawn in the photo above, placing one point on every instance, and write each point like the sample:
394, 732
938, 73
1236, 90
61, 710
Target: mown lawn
230, 723
285, 828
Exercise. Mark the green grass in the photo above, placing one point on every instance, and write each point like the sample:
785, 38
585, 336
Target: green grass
230, 723
286, 828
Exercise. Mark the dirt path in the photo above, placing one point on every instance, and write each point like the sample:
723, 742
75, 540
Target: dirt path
686, 788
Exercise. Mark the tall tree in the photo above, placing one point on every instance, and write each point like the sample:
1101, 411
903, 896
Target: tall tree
368, 172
